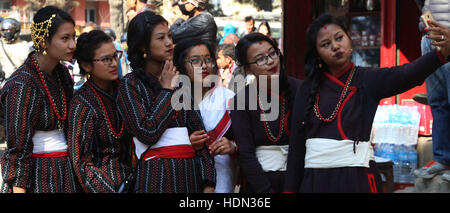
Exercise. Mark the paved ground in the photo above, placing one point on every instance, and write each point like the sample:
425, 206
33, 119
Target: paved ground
434, 185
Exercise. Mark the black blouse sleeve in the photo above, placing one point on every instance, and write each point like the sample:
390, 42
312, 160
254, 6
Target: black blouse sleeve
387, 82
144, 121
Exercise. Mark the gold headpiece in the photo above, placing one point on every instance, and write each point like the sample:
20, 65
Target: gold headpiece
39, 32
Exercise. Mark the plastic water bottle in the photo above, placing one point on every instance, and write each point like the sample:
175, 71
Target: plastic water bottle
394, 133
403, 126
377, 150
396, 121
406, 122
383, 126
404, 165
391, 153
377, 129
415, 120
412, 157
381, 150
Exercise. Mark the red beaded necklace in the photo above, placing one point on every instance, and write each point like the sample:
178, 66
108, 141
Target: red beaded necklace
110, 128
52, 102
283, 125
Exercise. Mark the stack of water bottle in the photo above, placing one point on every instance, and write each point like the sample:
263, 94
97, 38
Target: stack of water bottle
394, 133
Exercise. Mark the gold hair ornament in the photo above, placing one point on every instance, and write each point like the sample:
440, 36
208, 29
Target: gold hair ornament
39, 32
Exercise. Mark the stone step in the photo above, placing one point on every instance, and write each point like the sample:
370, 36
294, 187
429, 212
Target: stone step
433, 185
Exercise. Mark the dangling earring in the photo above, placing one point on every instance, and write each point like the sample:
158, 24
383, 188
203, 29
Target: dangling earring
88, 76
44, 52
144, 55
319, 62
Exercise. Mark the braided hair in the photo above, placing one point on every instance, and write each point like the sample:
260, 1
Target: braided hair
314, 66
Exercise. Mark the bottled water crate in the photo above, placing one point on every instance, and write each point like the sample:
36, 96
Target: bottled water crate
394, 135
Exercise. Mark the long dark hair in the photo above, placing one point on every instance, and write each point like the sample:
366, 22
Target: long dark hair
241, 57
46, 13
87, 43
181, 50
267, 25
139, 35
314, 66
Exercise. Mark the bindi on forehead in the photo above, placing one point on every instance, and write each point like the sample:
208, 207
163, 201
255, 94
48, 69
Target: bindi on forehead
325, 27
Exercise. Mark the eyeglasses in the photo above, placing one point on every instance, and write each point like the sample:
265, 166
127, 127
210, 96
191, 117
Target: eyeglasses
107, 60
264, 59
196, 62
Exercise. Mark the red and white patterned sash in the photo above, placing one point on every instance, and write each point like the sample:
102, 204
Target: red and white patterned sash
220, 129
215, 115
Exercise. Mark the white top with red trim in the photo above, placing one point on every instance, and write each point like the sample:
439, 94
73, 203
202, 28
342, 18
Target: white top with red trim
214, 106
213, 109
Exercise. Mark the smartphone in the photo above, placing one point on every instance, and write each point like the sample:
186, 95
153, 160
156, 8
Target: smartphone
425, 17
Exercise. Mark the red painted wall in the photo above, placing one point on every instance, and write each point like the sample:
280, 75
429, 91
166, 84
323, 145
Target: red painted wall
19, 3
78, 13
297, 18
103, 18
388, 35
409, 42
